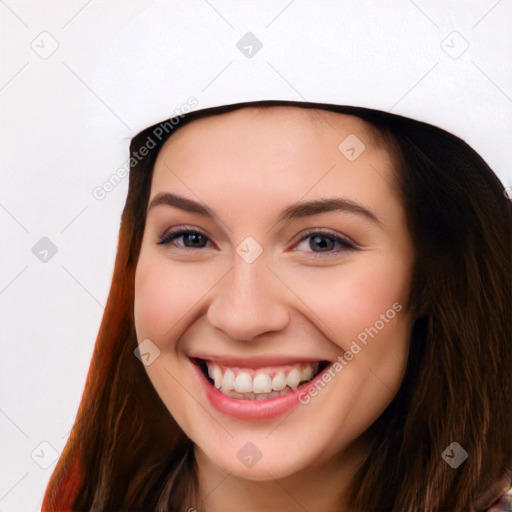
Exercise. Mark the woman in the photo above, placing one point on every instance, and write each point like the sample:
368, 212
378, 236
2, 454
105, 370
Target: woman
321, 295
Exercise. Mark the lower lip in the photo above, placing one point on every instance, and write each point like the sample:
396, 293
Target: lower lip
251, 409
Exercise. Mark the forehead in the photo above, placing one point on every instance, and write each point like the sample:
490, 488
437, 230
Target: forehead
298, 121
249, 157
267, 134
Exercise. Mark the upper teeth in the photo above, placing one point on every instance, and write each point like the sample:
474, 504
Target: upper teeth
263, 380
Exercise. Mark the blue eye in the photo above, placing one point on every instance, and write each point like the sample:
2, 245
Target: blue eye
314, 241
324, 242
189, 239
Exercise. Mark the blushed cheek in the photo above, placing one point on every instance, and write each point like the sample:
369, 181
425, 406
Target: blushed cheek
168, 295
160, 297
350, 304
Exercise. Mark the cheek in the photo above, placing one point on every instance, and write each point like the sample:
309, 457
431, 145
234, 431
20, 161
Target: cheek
162, 297
168, 293
352, 301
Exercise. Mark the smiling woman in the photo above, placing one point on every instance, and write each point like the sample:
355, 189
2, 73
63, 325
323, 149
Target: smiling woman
274, 251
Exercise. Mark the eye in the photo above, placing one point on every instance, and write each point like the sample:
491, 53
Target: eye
186, 238
313, 241
324, 242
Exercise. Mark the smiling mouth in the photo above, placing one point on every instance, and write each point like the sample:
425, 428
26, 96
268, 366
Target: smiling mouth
262, 383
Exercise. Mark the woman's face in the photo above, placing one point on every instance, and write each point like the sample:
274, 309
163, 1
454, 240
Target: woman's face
286, 253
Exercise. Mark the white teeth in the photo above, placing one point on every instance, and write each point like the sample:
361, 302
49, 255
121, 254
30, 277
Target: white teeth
262, 384
215, 373
243, 383
293, 378
279, 382
251, 384
306, 374
228, 382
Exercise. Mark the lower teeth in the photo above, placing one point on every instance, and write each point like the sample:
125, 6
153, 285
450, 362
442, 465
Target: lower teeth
256, 396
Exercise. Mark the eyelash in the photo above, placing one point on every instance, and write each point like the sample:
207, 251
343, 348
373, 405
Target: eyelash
345, 244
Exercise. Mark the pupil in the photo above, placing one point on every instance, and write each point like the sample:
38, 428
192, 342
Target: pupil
322, 243
193, 239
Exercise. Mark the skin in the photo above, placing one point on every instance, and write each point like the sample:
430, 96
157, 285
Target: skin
294, 299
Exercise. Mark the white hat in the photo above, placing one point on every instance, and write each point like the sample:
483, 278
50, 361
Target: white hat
446, 63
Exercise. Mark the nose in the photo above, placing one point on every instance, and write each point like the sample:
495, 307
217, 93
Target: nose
248, 302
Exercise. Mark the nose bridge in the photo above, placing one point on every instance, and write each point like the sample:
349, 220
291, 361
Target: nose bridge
247, 303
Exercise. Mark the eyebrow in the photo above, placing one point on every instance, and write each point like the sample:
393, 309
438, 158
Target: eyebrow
180, 202
294, 211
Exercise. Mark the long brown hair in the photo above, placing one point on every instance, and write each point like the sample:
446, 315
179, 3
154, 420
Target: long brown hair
126, 452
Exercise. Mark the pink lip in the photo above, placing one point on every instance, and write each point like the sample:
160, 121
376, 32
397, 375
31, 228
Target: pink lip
252, 410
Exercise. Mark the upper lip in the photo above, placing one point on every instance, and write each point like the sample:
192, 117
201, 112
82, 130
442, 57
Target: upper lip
256, 361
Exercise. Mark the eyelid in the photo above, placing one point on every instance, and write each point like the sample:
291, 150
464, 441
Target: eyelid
171, 234
347, 244
345, 240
